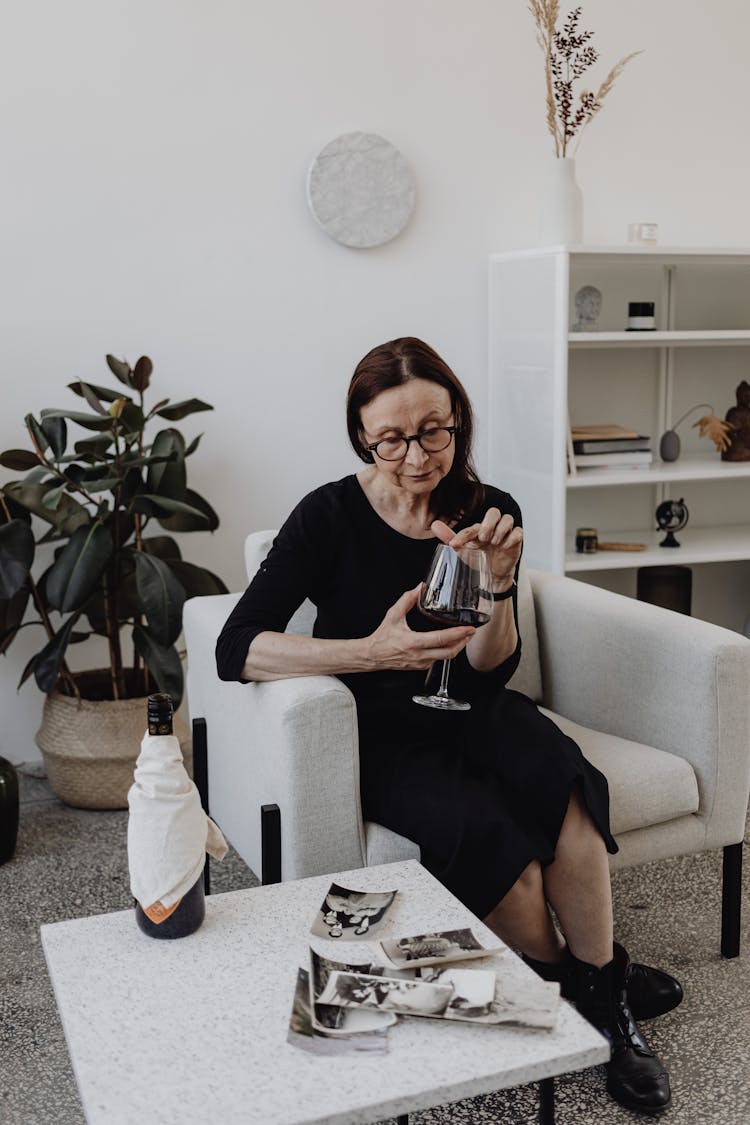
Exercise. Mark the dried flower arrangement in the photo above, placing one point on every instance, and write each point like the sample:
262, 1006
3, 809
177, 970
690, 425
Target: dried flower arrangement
567, 55
714, 428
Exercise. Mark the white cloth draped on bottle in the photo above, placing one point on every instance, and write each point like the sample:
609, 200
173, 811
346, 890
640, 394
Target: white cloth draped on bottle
168, 831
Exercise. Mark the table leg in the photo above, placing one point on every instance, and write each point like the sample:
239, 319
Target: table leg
200, 776
270, 844
547, 1101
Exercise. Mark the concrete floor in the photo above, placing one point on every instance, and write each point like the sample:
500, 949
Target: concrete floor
72, 863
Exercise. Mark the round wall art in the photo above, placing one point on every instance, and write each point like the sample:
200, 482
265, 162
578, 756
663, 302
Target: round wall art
361, 190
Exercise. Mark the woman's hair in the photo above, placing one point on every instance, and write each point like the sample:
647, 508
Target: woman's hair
392, 365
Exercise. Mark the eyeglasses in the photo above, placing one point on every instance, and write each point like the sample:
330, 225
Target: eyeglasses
431, 441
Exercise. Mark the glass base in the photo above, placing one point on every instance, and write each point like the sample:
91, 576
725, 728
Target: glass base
442, 702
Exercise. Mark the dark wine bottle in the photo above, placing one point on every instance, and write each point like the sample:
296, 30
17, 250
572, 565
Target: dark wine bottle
8, 809
185, 918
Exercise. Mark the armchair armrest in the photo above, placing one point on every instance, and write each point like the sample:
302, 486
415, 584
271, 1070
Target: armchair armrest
291, 742
653, 676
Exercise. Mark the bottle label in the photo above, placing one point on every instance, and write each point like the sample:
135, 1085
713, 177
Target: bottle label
158, 913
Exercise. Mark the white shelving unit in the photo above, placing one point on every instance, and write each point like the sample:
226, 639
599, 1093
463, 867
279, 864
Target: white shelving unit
542, 374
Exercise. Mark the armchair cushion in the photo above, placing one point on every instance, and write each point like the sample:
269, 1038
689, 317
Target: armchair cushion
646, 786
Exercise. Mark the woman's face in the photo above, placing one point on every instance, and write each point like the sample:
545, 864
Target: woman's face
400, 412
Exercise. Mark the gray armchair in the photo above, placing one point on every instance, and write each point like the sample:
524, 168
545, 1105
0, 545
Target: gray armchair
659, 702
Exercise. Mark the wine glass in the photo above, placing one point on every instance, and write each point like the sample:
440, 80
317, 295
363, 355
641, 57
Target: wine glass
457, 591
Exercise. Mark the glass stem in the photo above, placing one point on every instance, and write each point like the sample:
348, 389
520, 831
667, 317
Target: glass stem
443, 689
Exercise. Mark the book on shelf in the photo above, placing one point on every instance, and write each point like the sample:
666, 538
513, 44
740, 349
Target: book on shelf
611, 445
633, 459
602, 432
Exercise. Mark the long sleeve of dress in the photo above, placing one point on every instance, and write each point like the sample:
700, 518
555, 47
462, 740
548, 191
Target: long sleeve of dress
291, 572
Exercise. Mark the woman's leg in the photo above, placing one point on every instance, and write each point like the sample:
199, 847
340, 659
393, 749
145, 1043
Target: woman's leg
577, 886
522, 918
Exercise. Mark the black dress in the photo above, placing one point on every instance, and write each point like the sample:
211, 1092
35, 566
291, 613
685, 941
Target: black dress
483, 792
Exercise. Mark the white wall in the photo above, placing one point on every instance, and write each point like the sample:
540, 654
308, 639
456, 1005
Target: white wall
153, 200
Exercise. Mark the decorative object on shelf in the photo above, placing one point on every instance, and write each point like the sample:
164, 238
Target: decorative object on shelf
560, 206
567, 55
111, 576
361, 190
671, 516
641, 317
737, 447
708, 426
586, 540
588, 304
643, 234
9, 808
668, 586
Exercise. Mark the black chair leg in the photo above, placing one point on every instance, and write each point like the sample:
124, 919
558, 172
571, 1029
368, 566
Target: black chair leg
270, 844
547, 1101
200, 776
731, 900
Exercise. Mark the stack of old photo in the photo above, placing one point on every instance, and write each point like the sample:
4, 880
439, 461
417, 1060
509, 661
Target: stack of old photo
610, 446
347, 1006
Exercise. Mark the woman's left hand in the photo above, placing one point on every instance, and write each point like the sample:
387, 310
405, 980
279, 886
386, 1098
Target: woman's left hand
497, 535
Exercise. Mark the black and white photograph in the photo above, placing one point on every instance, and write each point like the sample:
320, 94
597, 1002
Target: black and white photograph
351, 915
532, 1002
305, 1035
335, 1020
433, 949
473, 992
407, 997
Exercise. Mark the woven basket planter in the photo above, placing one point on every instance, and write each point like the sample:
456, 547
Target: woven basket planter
90, 747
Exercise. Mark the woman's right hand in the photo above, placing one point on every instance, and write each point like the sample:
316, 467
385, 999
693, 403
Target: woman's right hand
395, 645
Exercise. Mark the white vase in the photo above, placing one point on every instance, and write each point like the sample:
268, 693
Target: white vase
560, 217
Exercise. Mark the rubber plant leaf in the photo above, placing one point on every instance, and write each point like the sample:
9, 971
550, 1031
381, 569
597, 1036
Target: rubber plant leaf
196, 580
68, 515
142, 373
37, 431
88, 421
163, 546
78, 568
179, 410
92, 398
163, 507
16, 556
163, 663
49, 661
196, 515
104, 394
120, 369
56, 433
11, 617
162, 596
19, 460
167, 476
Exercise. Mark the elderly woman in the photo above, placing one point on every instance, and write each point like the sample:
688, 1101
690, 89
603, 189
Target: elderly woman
507, 812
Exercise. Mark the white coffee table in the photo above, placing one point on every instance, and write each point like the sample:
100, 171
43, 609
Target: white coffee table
195, 1030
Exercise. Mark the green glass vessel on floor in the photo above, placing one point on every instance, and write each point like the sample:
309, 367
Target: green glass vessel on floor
8, 809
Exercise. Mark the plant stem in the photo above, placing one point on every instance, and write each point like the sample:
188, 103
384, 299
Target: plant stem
113, 640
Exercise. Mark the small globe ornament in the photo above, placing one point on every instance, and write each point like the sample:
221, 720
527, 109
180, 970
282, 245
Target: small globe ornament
671, 516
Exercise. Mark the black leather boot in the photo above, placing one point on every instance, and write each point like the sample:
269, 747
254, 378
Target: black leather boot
636, 1078
651, 992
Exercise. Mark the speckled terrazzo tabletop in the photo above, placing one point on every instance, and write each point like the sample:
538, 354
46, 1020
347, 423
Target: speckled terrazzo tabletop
195, 1030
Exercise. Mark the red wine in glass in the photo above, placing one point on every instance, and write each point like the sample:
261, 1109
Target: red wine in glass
457, 591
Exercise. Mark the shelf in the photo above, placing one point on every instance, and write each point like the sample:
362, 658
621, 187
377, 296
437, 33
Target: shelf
704, 338
721, 255
708, 467
697, 545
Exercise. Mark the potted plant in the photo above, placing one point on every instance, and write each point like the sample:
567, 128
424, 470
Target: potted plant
107, 508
